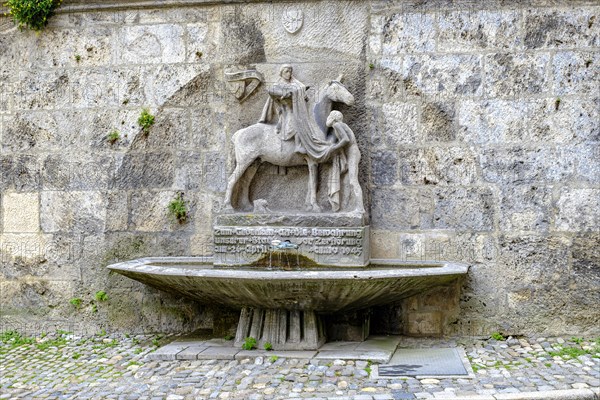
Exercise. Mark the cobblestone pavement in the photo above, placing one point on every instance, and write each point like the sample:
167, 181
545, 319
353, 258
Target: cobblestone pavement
62, 366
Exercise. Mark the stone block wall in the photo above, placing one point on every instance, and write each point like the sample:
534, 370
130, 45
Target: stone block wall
479, 125
484, 141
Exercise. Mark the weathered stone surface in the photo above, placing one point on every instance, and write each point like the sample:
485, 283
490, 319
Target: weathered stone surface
552, 28
424, 324
90, 172
397, 209
162, 81
21, 212
59, 48
144, 170
151, 44
464, 209
438, 121
19, 172
578, 210
214, 172
438, 166
540, 120
384, 166
576, 72
149, 211
288, 219
525, 208
586, 256
117, 212
479, 30
400, 124
42, 90
316, 38
588, 163
509, 74
77, 212
443, 75
384, 244
408, 33
517, 165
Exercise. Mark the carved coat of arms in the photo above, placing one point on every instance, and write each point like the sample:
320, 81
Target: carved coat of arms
292, 20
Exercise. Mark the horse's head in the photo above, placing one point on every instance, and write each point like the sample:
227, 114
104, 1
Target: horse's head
337, 92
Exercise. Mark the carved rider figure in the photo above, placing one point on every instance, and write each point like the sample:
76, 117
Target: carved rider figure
288, 98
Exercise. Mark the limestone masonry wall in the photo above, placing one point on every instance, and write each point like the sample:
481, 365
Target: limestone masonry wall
478, 122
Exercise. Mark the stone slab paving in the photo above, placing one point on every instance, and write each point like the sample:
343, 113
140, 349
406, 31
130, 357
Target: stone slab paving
62, 366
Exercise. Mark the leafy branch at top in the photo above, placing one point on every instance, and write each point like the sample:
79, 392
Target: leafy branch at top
31, 14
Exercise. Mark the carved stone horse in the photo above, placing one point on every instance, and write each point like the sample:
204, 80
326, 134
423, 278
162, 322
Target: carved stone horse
261, 142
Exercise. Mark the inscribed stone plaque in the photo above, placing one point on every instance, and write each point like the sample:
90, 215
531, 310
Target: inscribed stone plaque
330, 246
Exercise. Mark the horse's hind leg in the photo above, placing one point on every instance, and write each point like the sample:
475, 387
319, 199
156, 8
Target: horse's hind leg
238, 172
313, 176
245, 181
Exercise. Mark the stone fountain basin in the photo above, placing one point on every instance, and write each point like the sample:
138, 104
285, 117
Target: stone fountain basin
321, 290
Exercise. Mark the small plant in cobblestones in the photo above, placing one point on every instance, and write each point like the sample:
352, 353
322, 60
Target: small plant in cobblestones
568, 352
101, 295
113, 137
94, 308
76, 356
577, 340
249, 343
268, 346
31, 14
156, 340
178, 209
14, 338
130, 363
368, 367
45, 345
273, 359
497, 336
146, 120
76, 302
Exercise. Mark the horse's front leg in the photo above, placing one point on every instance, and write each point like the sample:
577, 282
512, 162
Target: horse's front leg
313, 177
234, 178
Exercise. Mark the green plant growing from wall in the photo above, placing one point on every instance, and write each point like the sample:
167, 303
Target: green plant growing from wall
101, 295
146, 120
249, 343
32, 14
268, 346
76, 302
113, 137
178, 209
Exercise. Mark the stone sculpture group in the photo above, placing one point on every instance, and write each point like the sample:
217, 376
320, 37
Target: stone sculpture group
288, 134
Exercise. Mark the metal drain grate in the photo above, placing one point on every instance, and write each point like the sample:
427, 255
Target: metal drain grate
424, 362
